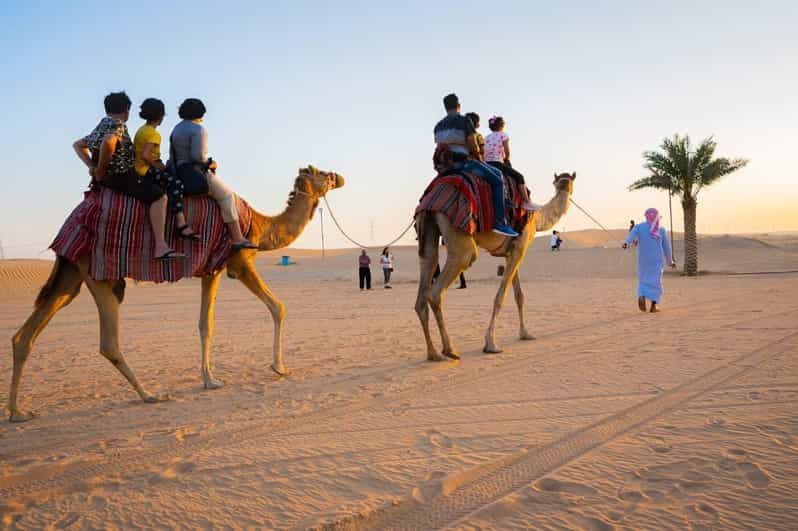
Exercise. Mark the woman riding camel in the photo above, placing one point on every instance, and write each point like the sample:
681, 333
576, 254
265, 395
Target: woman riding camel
109, 154
148, 163
189, 157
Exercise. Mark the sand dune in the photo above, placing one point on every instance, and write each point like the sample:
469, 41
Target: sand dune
611, 419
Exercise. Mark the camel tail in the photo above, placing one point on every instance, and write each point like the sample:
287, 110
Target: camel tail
427, 230
60, 268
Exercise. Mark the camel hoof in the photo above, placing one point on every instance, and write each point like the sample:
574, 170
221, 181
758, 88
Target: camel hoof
452, 355
17, 416
213, 384
152, 399
527, 337
434, 356
279, 370
491, 350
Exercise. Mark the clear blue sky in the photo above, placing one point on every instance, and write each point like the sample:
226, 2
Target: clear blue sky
356, 87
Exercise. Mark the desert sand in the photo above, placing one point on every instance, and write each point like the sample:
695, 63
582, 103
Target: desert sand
611, 419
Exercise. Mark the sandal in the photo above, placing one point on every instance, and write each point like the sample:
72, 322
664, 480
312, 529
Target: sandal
169, 255
246, 244
192, 236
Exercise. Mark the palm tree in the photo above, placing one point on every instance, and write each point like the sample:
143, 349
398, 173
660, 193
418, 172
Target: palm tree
684, 172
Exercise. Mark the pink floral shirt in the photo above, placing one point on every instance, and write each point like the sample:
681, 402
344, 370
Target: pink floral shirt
494, 146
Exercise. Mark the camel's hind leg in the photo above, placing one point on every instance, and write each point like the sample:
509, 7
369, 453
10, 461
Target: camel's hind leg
108, 310
519, 301
210, 284
428, 261
61, 288
245, 272
461, 251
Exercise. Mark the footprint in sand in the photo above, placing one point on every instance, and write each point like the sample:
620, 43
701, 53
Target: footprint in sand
590, 523
553, 485
631, 496
176, 468
755, 476
439, 440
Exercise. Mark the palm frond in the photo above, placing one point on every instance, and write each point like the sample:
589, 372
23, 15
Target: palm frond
652, 181
719, 168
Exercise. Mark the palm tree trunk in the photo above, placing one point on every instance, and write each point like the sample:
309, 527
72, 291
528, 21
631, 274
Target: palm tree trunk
690, 237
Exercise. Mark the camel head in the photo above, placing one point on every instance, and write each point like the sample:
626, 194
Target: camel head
564, 182
316, 183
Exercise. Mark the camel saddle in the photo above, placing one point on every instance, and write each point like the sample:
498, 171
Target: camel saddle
468, 202
114, 231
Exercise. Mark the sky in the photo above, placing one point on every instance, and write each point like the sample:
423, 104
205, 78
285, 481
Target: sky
356, 88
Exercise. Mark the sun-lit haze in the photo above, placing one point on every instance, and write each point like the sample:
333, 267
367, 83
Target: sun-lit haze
357, 88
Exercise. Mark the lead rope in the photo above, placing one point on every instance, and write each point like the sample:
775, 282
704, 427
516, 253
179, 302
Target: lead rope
338, 225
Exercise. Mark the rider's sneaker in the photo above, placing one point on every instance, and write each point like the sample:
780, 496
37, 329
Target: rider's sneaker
504, 230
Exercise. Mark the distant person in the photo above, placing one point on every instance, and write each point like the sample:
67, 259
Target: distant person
364, 270
474, 117
456, 148
189, 150
556, 241
497, 154
438, 273
148, 164
108, 152
387, 262
653, 252
632, 226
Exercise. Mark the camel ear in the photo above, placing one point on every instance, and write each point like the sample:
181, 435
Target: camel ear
573, 176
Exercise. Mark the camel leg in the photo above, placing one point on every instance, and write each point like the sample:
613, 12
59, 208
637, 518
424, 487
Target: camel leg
460, 254
513, 261
250, 278
210, 284
428, 261
519, 301
65, 286
108, 310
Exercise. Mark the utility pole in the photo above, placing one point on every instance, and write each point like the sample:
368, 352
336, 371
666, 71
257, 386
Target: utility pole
670, 209
321, 217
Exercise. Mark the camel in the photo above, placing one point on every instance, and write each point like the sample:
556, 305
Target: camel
269, 233
461, 252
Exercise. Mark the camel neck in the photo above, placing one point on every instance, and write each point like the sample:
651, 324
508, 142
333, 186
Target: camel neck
281, 230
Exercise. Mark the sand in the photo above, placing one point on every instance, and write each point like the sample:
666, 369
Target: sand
611, 419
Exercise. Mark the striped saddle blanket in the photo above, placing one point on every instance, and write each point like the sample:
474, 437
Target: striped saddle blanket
114, 231
467, 201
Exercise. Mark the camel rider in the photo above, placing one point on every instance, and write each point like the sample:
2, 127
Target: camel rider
455, 135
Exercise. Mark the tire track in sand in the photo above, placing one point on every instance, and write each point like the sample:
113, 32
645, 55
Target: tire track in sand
450, 501
55, 480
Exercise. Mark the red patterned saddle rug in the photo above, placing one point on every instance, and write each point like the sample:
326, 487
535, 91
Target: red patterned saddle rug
467, 201
114, 231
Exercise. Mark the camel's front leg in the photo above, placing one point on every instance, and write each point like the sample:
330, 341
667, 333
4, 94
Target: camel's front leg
519, 301
108, 309
210, 284
250, 278
513, 261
